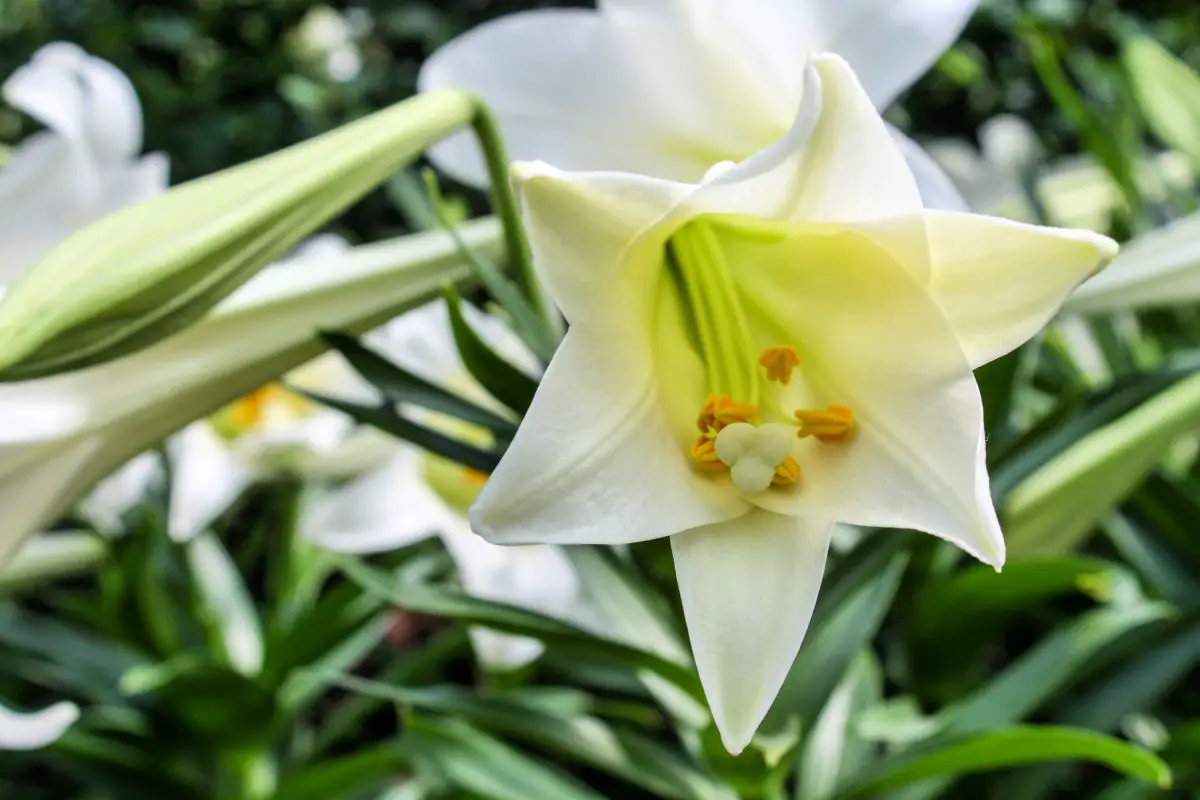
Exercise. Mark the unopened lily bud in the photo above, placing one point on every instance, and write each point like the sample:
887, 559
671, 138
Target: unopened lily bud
150, 270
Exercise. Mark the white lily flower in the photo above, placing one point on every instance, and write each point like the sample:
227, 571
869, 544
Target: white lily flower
671, 87
83, 167
326, 36
416, 495
786, 345
60, 435
36, 729
990, 177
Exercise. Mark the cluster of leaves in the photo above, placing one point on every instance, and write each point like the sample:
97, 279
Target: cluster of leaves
248, 665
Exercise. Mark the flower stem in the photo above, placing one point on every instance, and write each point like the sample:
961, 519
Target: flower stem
504, 202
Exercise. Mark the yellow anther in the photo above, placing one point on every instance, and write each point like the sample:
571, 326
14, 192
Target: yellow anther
779, 362
834, 425
704, 452
253, 409
720, 410
473, 477
787, 473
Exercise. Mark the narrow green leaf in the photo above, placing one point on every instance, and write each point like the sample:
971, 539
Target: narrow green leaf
632, 615
1170, 507
399, 385
471, 760
1067, 496
444, 602
1160, 567
830, 648
1168, 92
580, 737
1053, 664
833, 751
74, 660
388, 420
1137, 684
226, 606
858, 568
534, 329
506, 383
346, 775
953, 620
1011, 747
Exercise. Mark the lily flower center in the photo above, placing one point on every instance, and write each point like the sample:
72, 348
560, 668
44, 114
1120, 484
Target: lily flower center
748, 429
261, 407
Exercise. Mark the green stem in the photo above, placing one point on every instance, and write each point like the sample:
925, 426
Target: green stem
504, 202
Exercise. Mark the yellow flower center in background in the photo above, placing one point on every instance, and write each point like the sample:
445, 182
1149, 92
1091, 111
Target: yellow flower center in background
252, 411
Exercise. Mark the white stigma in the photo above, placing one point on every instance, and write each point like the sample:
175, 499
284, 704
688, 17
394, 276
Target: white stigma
753, 453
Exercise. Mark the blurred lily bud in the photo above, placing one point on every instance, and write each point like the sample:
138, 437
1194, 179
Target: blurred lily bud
139, 275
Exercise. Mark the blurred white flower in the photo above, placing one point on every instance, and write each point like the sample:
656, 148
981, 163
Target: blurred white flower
36, 729
990, 177
669, 88
84, 166
105, 506
328, 35
415, 495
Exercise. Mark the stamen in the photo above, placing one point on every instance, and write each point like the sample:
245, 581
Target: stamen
473, 477
835, 425
704, 451
720, 410
787, 473
754, 454
253, 410
779, 362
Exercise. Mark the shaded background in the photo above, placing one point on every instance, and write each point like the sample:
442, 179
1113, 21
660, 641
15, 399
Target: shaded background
223, 81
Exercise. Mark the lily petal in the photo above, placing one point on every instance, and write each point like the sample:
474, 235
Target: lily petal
890, 44
37, 729
837, 163
206, 479
937, 189
85, 99
580, 223
386, 509
120, 492
422, 341
596, 461
748, 588
892, 356
537, 577
1000, 282
570, 87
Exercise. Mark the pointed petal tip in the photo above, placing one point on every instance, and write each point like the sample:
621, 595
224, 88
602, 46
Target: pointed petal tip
522, 172
476, 516
734, 740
